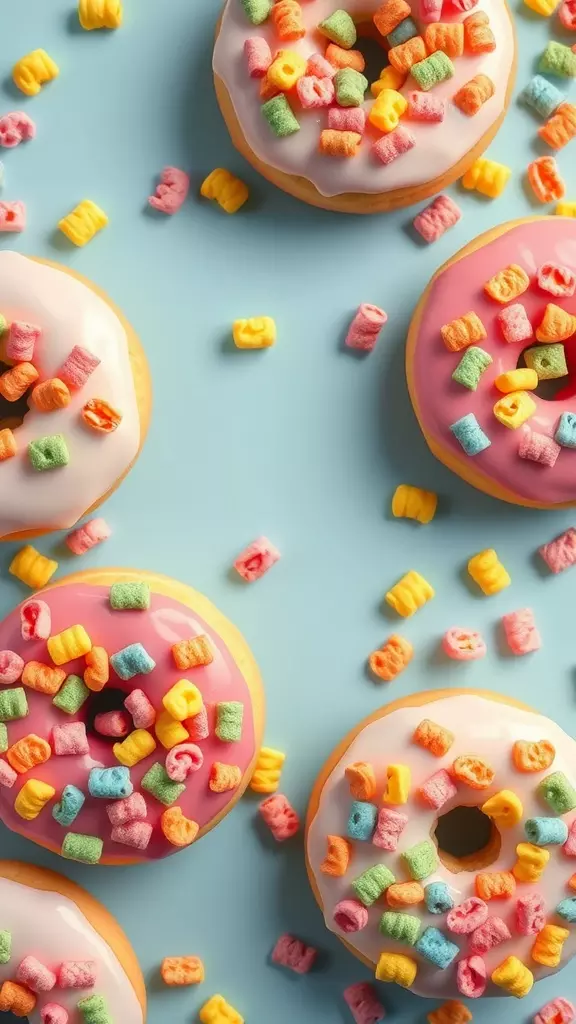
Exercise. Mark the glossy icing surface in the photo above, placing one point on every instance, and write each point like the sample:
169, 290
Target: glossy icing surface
441, 401
438, 146
52, 928
69, 314
165, 623
480, 727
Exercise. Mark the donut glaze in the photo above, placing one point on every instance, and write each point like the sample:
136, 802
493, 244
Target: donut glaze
480, 727
167, 621
457, 288
438, 147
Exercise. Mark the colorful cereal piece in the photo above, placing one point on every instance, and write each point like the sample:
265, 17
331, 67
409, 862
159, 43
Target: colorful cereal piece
478, 36
542, 96
393, 145
285, 70
69, 806
48, 453
452, 1012
365, 328
94, 1010
73, 974
280, 817
495, 885
488, 572
566, 909
229, 192
257, 11
472, 96
424, 107
397, 969
350, 87
28, 752
442, 213
523, 379
7, 774
217, 1010
70, 738
137, 746
229, 716
421, 860
183, 700
556, 325
530, 913
43, 678
435, 947
21, 341
438, 898
389, 828
157, 782
16, 999
363, 1003
348, 119
547, 948
533, 757
16, 128
392, 658
409, 594
539, 448
315, 92
505, 808
401, 927
438, 789
33, 71
342, 58
51, 395
390, 78
473, 771
171, 191
169, 731
361, 820
131, 808
32, 798
464, 331
110, 783
520, 631
372, 883
11, 666
448, 38
83, 223
139, 706
387, 109
432, 70
338, 856
507, 284
463, 644
294, 954
514, 409
129, 596
177, 829
467, 916
96, 14
549, 361
72, 643
414, 503
433, 737
256, 559
72, 695
406, 30
280, 116
558, 60
14, 383
404, 894
408, 55
560, 129
545, 181
77, 367
570, 846
35, 975
8, 446
398, 778
546, 831
390, 14
487, 177
558, 280
362, 780
559, 1011
5, 947
13, 705
182, 970
558, 793
339, 144
35, 620
132, 661
266, 777
489, 935
258, 56
340, 29
192, 653
560, 553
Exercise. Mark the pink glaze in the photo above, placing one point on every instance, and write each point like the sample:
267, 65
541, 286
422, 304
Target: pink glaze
441, 401
165, 623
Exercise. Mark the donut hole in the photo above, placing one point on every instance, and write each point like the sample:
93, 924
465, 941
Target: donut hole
374, 52
107, 699
467, 839
12, 413
551, 390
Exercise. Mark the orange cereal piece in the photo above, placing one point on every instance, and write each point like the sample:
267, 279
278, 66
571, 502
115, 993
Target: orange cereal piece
177, 829
392, 658
462, 332
338, 856
182, 970
287, 19
335, 143
390, 14
43, 678
473, 771
16, 999
100, 416
545, 180
572, 882
446, 37
28, 752
478, 36
472, 96
224, 777
268, 89
15, 382
452, 1012
362, 780
404, 894
403, 57
533, 757
507, 284
193, 653
8, 447
560, 129
557, 324
97, 671
495, 885
340, 58
51, 395
433, 737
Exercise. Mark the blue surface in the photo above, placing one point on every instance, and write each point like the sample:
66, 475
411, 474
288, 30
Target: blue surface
303, 442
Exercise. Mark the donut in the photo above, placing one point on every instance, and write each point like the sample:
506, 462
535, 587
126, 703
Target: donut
75, 396
131, 715
440, 844
290, 84
504, 305
62, 950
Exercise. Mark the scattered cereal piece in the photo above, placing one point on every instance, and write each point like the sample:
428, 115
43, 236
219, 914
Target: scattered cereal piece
132, 661
387, 109
182, 970
545, 181
33, 71
49, 452
452, 1012
340, 29
473, 771
363, 1003
542, 96
424, 107
533, 757
258, 56
266, 776
488, 572
467, 916
131, 808
35, 620
442, 213
438, 789
70, 738
421, 860
112, 723
11, 666
547, 948
472, 96
433, 737
459, 333
257, 11
77, 367
110, 783
224, 777
556, 279
136, 834
398, 778
539, 448
438, 898
549, 361
28, 752
559, 1011
400, 927
51, 395
35, 975
217, 1010
409, 594
406, 30
69, 806
77, 974
463, 644
520, 630
446, 37
560, 553
280, 116
530, 913
507, 284
83, 223
294, 954
21, 341
229, 192
32, 798
516, 380
546, 831
414, 503
281, 818
157, 782
16, 998
258, 332
560, 129
338, 856
435, 947
12, 217
514, 977
389, 828
566, 909
94, 1010
478, 36
362, 780
169, 730
95, 14
130, 596
505, 808
404, 894
372, 883
432, 70
396, 968
15, 128
182, 760
171, 192
13, 704
495, 885
8, 446
392, 658
229, 715
361, 820
87, 536
514, 409
14, 383
365, 328
139, 706
389, 15
43, 678
7, 774
256, 559
488, 936
177, 829
556, 325
72, 643
390, 78
487, 177
558, 60
558, 793
393, 145
348, 119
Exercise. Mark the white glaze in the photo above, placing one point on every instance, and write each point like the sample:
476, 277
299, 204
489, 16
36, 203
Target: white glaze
438, 146
69, 314
481, 727
51, 927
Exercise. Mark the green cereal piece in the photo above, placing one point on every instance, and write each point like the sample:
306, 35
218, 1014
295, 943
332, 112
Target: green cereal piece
339, 28
350, 87
280, 116
471, 367
130, 596
558, 793
5, 947
372, 883
94, 1010
432, 70
402, 927
159, 784
229, 715
86, 849
71, 695
559, 60
421, 859
3, 324
549, 361
48, 452
3, 738
257, 10
13, 704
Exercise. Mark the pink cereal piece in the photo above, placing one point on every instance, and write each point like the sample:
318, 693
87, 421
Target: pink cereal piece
7, 774
463, 644
438, 789
53, 1013
423, 106
293, 954
365, 327
539, 448
320, 67
556, 279
364, 1004
530, 914
77, 974
256, 559
520, 631
35, 975
11, 667
77, 367
258, 56
142, 711
514, 323
88, 536
559, 1011
560, 553
467, 916
171, 192
182, 760
315, 92
489, 935
569, 847
430, 10
567, 15
35, 620
350, 916
12, 217
280, 817
112, 723
347, 119
70, 738
15, 128
130, 808
198, 727
389, 828
435, 219
21, 341
136, 834
471, 977
393, 145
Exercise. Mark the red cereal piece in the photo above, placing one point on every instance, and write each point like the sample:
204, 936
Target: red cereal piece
560, 553
198, 727
560, 129
438, 789
424, 106
258, 56
365, 327
567, 15
489, 935
70, 738
474, 94
520, 630
35, 620
436, 218
35, 975
363, 1003
7, 774
182, 760
77, 974
53, 1013
556, 279
471, 977
142, 711
478, 36
514, 323
545, 180
256, 559
393, 145
350, 916
11, 667
280, 817
294, 954
389, 828
112, 723
136, 834
21, 341
88, 536
338, 856
530, 914
77, 368
315, 92
538, 448
467, 916
130, 808
559, 1011
347, 119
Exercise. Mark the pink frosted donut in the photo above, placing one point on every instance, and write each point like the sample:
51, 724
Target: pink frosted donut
531, 458
65, 783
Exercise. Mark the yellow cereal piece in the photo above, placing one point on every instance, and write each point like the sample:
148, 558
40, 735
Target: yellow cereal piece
516, 380
183, 700
32, 568
543, 7
285, 70
504, 808
229, 192
218, 1011
507, 284
557, 324
464, 331
138, 745
531, 862
514, 409
566, 209
488, 572
488, 177
390, 78
414, 503
397, 968
398, 779
85, 221
258, 332
169, 731
100, 14
514, 977
33, 71
33, 796
409, 594
387, 110
547, 948
73, 642
266, 777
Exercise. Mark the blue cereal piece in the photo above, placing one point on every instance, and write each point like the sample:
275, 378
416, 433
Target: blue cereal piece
435, 947
132, 661
567, 909
470, 435
546, 831
362, 820
71, 803
406, 30
110, 783
566, 430
438, 898
558, 793
542, 96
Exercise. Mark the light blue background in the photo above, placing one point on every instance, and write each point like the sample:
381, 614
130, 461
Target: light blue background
303, 442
